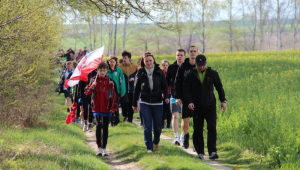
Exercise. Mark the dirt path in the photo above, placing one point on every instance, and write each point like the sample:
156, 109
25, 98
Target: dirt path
190, 151
116, 163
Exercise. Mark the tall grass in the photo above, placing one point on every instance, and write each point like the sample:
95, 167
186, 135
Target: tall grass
263, 94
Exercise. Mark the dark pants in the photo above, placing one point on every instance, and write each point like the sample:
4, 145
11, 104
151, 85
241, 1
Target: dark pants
127, 110
152, 114
210, 116
88, 114
102, 123
167, 114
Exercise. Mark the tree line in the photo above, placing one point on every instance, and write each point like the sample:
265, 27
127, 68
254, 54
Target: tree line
213, 26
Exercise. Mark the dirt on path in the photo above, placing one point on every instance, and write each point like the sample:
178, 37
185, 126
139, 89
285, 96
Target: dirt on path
191, 152
116, 163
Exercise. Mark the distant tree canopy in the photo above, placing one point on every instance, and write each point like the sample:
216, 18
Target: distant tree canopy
154, 10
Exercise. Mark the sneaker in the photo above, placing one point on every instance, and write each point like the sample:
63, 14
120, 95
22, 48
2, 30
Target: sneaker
99, 152
156, 147
186, 141
85, 128
105, 152
90, 128
181, 138
176, 141
149, 151
125, 119
138, 117
213, 155
200, 156
82, 123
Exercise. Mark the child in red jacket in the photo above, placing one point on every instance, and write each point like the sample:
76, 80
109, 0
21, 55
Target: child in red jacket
104, 104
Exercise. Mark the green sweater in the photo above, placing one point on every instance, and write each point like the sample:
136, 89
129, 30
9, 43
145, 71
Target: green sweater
118, 77
201, 75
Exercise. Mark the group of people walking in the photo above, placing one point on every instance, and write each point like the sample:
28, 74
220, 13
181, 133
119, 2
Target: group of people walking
158, 93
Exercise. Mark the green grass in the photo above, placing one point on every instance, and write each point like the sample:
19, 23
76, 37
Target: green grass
127, 142
231, 154
53, 146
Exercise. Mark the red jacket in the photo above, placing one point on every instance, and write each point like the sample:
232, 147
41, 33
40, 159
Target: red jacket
104, 95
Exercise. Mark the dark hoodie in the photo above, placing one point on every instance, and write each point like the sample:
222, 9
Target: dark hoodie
171, 74
181, 73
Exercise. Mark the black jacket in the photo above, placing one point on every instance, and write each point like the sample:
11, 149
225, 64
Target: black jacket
181, 73
142, 88
171, 74
80, 87
61, 83
202, 95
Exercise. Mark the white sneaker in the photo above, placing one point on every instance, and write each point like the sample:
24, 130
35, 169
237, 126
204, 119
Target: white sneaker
181, 140
176, 141
105, 152
82, 123
99, 152
85, 128
90, 129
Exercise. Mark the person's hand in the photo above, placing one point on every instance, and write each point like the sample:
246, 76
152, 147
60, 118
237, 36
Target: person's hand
134, 108
162, 96
112, 111
131, 79
223, 106
178, 102
167, 101
191, 106
122, 95
94, 84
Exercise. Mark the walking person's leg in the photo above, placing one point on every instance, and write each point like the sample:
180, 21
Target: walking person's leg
147, 120
157, 115
169, 116
67, 99
185, 123
85, 102
198, 141
125, 106
105, 134
139, 110
98, 135
90, 117
130, 110
211, 120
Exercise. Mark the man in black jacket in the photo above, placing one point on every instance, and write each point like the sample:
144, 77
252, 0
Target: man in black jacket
171, 74
188, 64
198, 92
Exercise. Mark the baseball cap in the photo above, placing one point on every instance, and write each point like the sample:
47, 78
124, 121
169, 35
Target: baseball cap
201, 60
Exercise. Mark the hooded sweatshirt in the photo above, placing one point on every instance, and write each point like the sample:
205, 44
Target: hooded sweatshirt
183, 69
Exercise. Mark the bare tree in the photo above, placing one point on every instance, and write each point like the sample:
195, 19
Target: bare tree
244, 25
295, 21
190, 24
124, 31
207, 11
282, 12
263, 13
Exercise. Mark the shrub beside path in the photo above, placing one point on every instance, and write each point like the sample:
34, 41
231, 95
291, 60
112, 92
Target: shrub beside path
191, 152
116, 163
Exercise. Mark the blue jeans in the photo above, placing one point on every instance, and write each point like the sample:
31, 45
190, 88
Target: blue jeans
151, 113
